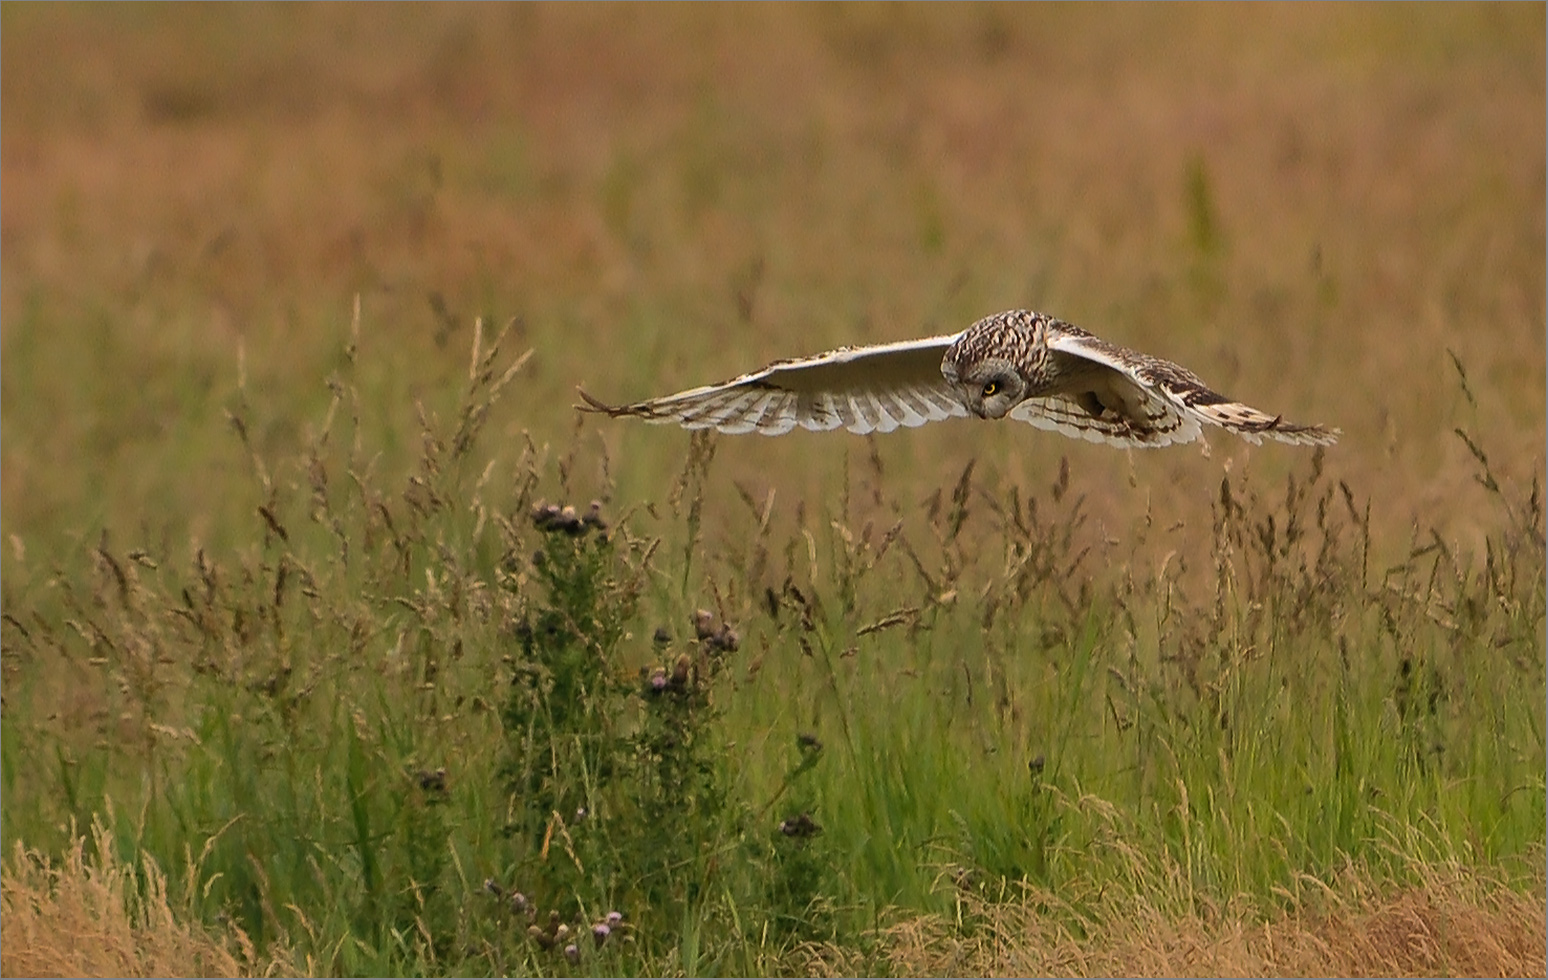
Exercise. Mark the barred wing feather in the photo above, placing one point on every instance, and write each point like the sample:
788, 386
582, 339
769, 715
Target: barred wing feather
863, 389
1127, 398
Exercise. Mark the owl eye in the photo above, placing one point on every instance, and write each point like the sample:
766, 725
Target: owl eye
991, 388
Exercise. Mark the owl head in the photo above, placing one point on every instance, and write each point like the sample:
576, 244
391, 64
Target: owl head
989, 386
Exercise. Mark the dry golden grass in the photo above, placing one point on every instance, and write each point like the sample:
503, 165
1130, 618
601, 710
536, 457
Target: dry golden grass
1457, 921
95, 916
91, 917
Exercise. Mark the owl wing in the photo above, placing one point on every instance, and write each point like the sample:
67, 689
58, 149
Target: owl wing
1125, 398
862, 389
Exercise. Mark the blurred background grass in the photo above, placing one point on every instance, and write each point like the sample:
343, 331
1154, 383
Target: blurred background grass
1307, 205
1315, 208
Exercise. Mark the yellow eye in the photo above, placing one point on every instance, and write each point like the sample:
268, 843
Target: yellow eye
991, 388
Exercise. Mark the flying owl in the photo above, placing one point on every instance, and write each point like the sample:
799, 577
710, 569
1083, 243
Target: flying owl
1029, 366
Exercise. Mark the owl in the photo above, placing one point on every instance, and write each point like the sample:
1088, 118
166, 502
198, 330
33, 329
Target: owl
1019, 364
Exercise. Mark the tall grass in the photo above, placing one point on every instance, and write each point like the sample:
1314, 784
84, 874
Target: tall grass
437, 724
345, 655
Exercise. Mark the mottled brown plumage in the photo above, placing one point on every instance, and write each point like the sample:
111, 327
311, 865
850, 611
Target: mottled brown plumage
1029, 366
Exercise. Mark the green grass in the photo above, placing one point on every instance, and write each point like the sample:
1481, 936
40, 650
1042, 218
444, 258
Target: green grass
400, 701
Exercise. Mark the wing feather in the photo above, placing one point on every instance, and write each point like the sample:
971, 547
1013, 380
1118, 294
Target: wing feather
826, 415
1059, 414
716, 411
907, 401
864, 420
861, 389
1132, 399
775, 414
939, 405
924, 404
1095, 390
749, 417
889, 413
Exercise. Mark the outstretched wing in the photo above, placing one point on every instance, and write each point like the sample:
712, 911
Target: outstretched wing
862, 389
1111, 394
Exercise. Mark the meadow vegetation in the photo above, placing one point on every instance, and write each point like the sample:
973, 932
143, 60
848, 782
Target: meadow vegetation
334, 641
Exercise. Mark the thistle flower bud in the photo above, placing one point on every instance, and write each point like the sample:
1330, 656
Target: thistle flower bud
600, 932
800, 826
432, 782
680, 669
614, 918
704, 624
572, 953
570, 522
544, 516
593, 516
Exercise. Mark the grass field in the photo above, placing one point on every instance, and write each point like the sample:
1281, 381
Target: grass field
293, 305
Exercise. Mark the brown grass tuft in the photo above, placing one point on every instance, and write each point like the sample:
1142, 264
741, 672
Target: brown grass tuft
1457, 921
91, 918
